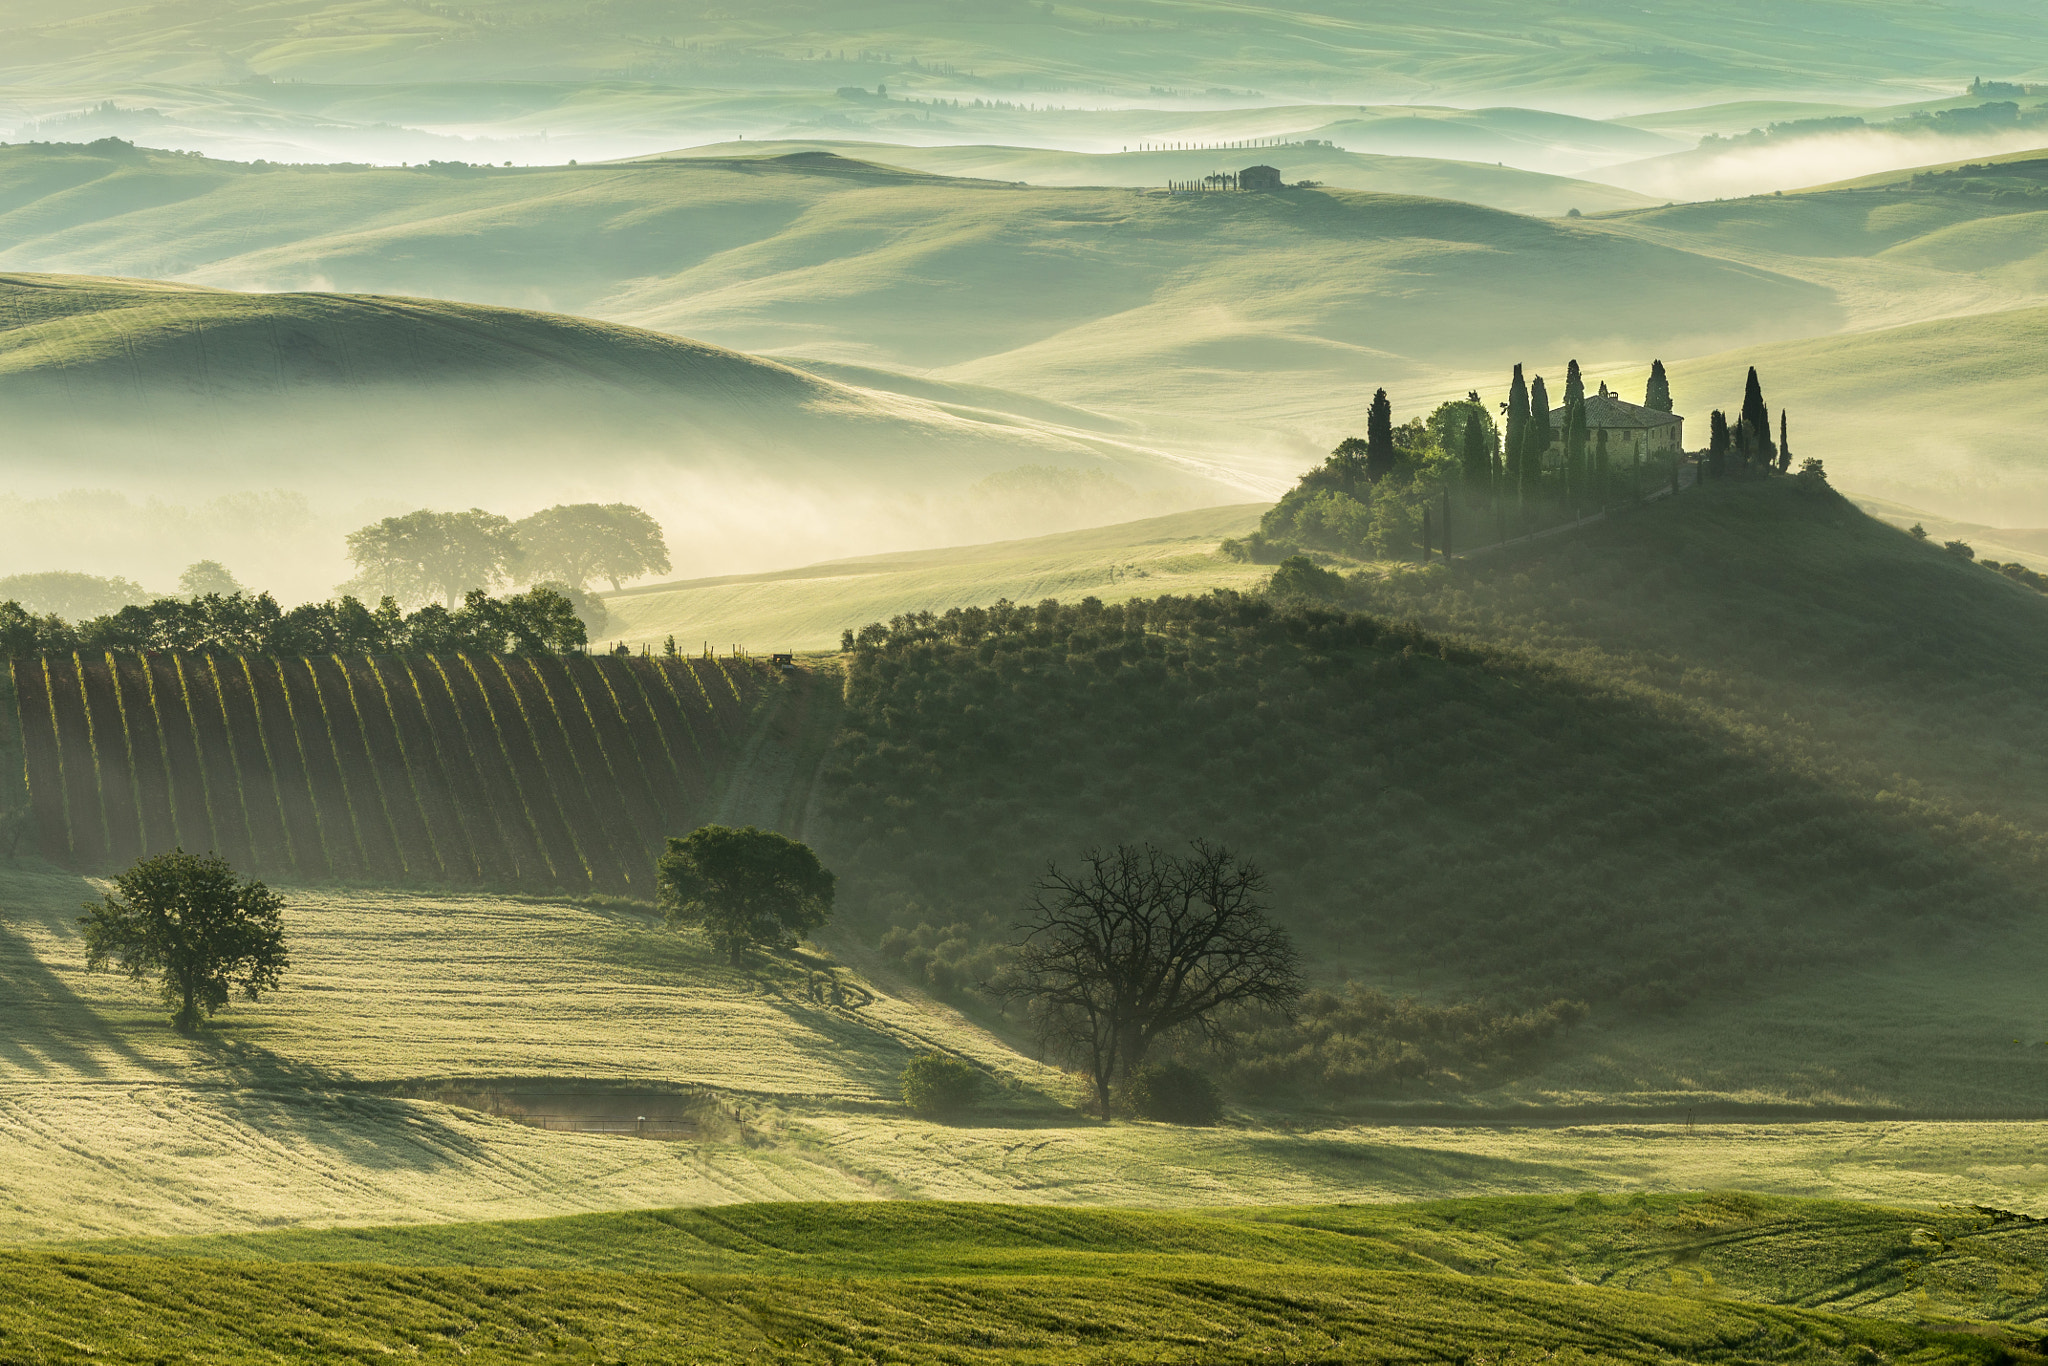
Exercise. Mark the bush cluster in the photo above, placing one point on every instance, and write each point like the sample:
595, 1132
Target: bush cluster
541, 621
1505, 826
1173, 1093
936, 1086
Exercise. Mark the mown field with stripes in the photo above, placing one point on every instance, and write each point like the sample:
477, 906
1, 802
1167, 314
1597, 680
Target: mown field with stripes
515, 771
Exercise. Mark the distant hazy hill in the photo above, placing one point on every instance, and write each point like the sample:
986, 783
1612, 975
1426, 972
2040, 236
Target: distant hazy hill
183, 391
1431, 175
1243, 309
1644, 53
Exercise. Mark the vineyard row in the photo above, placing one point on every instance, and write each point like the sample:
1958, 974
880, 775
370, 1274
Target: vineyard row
513, 771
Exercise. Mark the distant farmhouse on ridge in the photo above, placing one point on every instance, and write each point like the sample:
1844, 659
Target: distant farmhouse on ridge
1259, 178
1630, 427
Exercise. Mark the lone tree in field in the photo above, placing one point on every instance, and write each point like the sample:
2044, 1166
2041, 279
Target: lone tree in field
191, 922
744, 887
1756, 420
433, 554
577, 542
1138, 944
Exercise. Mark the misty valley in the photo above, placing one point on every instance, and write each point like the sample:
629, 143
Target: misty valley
1031, 682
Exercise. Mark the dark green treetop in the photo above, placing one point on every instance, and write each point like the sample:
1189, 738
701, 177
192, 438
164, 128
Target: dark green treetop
744, 886
190, 921
1658, 393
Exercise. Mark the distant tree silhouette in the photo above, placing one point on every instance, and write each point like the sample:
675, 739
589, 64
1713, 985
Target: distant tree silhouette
1536, 440
207, 577
1756, 420
434, 554
1475, 459
1379, 438
1574, 384
577, 542
1784, 445
1518, 425
1718, 445
1657, 394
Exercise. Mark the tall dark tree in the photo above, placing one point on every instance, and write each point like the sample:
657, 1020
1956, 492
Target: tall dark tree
1575, 435
1574, 384
744, 887
1518, 425
1379, 438
1718, 445
1784, 445
190, 922
1537, 438
1138, 944
1475, 459
1756, 418
1657, 395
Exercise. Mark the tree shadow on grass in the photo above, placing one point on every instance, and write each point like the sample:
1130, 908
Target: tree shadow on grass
48, 1031
1411, 1170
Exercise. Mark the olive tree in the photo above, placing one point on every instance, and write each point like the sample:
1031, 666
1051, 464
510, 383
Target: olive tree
190, 922
743, 887
1137, 944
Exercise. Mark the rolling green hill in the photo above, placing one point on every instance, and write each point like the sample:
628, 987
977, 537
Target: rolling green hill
1220, 317
186, 393
1660, 52
806, 609
1722, 1278
1434, 177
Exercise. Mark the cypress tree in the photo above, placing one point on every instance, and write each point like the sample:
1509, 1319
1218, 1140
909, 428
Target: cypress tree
1476, 460
1575, 448
1658, 395
1518, 424
1600, 464
1717, 444
1379, 438
1574, 384
1784, 445
1757, 418
1537, 436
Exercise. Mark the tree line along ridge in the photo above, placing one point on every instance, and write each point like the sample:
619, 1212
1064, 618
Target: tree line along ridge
528, 771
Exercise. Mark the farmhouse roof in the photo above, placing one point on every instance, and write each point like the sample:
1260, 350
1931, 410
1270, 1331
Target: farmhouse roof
1605, 410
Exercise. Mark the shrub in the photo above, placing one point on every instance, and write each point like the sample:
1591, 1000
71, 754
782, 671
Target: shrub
1960, 549
1300, 577
936, 1085
1175, 1093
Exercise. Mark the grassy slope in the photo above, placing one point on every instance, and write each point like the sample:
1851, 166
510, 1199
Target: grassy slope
1655, 53
1435, 177
1810, 651
1724, 1277
806, 609
1243, 308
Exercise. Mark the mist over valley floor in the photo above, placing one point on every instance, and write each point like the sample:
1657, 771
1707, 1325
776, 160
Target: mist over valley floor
1023, 682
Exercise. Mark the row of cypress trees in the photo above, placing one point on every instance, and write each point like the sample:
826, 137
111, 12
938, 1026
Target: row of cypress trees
1746, 447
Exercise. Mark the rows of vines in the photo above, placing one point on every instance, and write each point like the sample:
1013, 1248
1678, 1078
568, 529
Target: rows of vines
503, 771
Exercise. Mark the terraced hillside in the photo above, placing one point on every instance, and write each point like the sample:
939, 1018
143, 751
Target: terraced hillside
515, 771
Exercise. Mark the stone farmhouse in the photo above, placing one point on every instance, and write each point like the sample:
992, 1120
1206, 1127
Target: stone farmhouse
1631, 429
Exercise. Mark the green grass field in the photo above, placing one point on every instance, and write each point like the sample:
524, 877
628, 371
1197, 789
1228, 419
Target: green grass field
806, 609
1698, 1278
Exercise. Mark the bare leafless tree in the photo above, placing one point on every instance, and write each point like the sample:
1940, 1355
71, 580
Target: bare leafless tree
1138, 944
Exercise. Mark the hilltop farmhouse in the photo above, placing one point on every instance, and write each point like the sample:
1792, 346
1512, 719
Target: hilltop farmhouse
1630, 428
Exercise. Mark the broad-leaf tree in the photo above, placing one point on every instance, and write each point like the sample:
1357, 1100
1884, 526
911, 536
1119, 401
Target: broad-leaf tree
188, 921
433, 554
1137, 944
207, 578
577, 542
744, 887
